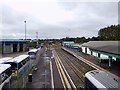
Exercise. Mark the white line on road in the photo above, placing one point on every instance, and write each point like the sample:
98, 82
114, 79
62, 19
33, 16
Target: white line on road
52, 81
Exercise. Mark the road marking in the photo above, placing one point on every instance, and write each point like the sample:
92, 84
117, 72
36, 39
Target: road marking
60, 75
52, 81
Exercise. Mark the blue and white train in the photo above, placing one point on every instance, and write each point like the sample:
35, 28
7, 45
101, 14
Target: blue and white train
5, 76
100, 80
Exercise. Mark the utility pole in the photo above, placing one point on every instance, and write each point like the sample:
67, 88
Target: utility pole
37, 37
25, 29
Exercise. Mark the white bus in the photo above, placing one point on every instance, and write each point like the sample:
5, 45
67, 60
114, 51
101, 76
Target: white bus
5, 76
33, 53
4, 59
19, 65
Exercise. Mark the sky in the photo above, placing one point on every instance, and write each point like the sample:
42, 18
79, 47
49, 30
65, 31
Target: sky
56, 18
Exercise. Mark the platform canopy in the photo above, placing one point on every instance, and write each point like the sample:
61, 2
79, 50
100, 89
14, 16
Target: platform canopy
15, 41
110, 48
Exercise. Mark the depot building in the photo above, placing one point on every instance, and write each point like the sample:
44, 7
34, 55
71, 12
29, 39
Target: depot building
12, 45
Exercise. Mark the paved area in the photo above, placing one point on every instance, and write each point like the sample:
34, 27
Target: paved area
42, 77
15, 54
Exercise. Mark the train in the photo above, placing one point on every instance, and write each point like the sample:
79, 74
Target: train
100, 80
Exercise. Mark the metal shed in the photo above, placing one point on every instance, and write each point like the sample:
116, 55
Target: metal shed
12, 45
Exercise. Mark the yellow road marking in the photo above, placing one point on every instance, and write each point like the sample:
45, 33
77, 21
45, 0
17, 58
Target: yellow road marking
60, 75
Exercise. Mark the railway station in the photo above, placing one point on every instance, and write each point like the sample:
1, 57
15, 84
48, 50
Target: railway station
106, 51
12, 45
55, 66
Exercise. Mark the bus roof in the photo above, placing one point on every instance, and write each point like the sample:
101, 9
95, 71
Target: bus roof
102, 79
33, 50
18, 58
4, 59
3, 67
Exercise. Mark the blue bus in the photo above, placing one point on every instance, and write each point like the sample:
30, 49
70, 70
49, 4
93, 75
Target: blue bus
42, 45
19, 65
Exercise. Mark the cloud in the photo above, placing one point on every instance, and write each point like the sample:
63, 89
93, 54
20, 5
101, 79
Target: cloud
57, 19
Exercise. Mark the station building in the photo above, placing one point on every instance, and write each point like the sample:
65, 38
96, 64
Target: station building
67, 43
12, 45
104, 50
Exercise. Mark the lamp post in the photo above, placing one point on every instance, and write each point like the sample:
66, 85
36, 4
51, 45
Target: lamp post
25, 29
37, 37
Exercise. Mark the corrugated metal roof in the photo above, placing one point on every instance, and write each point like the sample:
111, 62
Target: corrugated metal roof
13, 40
68, 42
105, 46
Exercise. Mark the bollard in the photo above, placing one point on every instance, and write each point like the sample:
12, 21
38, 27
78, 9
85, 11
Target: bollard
30, 78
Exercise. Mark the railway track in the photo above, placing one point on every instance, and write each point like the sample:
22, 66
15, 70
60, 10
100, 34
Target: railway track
75, 67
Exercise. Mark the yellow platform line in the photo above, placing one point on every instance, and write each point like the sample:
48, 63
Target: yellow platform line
60, 74
98, 67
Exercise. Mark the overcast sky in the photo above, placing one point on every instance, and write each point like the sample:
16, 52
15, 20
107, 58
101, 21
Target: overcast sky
56, 19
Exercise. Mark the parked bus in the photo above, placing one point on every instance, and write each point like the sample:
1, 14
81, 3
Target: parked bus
98, 79
4, 59
33, 53
19, 65
42, 45
5, 76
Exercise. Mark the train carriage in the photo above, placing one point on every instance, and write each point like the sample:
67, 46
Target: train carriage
99, 80
5, 76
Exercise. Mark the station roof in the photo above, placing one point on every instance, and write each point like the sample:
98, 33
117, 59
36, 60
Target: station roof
9, 41
104, 46
68, 42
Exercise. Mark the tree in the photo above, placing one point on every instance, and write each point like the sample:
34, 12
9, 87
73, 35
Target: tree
109, 33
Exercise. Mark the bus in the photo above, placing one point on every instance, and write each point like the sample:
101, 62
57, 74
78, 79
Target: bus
42, 45
33, 53
98, 79
4, 59
5, 76
19, 65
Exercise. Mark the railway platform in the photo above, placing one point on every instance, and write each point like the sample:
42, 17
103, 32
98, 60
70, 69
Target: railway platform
114, 69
